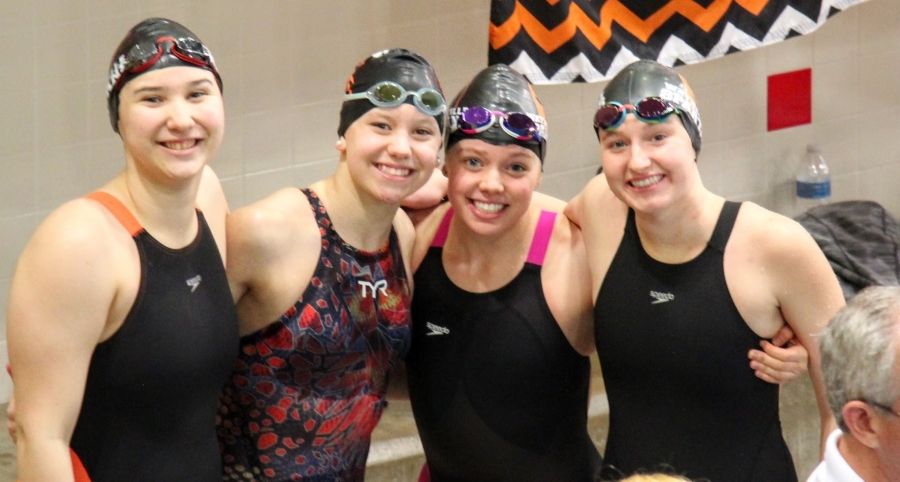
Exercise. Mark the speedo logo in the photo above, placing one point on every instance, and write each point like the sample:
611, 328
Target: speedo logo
436, 330
194, 282
661, 297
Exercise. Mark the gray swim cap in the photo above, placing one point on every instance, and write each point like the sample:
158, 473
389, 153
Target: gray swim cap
647, 78
499, 88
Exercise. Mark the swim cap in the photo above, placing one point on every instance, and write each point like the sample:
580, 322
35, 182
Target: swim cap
646, 78
500, 89
155, 43
400, 66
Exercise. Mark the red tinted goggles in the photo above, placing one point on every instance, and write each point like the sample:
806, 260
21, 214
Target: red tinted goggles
652, 110
144, 55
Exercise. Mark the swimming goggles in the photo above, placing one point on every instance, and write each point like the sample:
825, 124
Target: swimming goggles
144, 55
518, 125
392, 94
651, 110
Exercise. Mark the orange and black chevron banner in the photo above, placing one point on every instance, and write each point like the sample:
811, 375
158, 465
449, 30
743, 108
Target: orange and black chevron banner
559, 41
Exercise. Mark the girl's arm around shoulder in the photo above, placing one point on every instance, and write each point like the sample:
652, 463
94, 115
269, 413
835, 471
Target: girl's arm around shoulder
567, 285
70, 290
406, 235
804, 287
425, 232
272, 245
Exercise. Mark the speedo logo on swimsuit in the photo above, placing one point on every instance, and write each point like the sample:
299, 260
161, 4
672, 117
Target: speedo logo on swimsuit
436, 330
661, 297
194, 282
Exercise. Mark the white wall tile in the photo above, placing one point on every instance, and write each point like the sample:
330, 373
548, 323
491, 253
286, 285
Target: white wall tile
56, 12
316, 132
261, 184
229, 160
879, 27
879, 76
61, 54
61, 114
305, 174
838, 39
845, 187
18, 60
566, 185
837, 139
18, 17
17, 173
267, 140
102, 9
835, 90
879, 139
789, 55
234, 191
17, 230
17, 131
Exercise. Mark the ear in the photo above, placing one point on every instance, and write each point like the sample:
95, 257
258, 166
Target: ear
444, 169
862, 422
341, 144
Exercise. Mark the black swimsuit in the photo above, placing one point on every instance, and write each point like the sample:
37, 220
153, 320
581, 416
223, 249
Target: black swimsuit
673, 349
497, 390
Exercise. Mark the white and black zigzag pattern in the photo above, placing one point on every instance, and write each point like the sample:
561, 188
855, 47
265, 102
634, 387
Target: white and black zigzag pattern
560, 41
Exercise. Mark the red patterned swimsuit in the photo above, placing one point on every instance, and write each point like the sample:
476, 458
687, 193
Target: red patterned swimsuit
308, 389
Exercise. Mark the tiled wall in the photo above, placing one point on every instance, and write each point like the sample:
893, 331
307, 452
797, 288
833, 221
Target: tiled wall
284, 63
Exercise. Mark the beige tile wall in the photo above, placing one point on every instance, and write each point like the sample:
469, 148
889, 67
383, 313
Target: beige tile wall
284, 63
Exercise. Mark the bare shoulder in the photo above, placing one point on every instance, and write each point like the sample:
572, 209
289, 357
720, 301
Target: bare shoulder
78, 229
548, 203
406, 232
595, 206
271, 222
777, 236
81, 258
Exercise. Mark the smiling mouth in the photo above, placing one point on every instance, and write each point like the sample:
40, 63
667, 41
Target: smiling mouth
394, 171
488, 208
180, 145
646, 182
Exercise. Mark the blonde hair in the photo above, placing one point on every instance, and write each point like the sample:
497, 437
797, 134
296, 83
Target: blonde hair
655, 478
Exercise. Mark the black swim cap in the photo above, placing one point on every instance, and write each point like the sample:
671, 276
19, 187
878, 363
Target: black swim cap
499, 88
141, 51
646, 78
406, 68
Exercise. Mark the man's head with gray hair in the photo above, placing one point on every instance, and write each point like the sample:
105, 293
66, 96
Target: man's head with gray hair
859, 350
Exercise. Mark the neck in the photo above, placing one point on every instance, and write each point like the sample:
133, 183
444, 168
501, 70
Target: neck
507, 248
865, 461
166, 212
681, 231
363, 222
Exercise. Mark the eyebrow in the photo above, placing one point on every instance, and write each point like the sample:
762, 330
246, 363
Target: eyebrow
156, 88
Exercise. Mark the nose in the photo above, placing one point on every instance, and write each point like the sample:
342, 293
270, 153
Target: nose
639, 158
491, 181
399, 147
180, 115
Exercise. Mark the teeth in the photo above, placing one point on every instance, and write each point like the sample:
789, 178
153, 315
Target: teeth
488, 207
180, 145
393, 171
647, 181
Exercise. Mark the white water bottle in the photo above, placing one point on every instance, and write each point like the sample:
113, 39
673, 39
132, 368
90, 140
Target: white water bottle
813, 180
